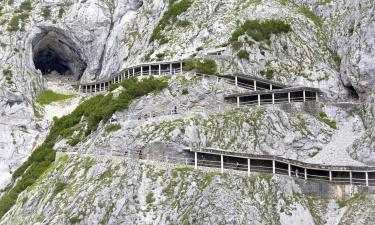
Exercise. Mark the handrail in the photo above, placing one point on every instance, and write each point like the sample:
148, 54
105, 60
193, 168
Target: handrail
189, 161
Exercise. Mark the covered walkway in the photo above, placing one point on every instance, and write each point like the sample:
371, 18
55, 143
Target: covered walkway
346, 175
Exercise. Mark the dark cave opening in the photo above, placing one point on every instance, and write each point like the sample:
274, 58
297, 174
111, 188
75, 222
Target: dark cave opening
47, 61
54, 53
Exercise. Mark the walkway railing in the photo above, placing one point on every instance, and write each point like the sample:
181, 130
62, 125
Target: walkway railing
352, 175
364, 176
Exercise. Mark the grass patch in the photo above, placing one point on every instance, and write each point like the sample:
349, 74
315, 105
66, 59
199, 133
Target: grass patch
206, 66
348, 202
313, 154
59, 187
269, 74
74, 219
150, 198
324, 118
46, 13
48, 96
174, 9
243, 54
260, 31
112, 128
312, 16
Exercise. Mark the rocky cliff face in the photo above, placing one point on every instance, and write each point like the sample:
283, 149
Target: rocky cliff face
330, 46
97, 191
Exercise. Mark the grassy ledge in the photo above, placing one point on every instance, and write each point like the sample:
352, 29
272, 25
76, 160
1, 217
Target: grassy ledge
85, 119
48, 96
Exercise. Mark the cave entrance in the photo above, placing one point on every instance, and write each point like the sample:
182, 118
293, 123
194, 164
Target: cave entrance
55, 54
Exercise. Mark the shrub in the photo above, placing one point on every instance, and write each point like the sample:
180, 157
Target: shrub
15, 22
59, 187
61, 11
160, 56
74, 219
183, 23
26, 6
174, 9
312, 16
46, 13
207, 66
185, 91
260, 31
324, 118
112, 127
243, 54
150, 198
48, 96
267, 73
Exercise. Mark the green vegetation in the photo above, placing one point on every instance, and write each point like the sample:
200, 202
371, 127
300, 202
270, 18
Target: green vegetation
260, 31
112, 128
313, 154
17, 21
26, 6
46, 13
59, 187
312, 16
324, 118
94, 110
150, 198
183, 23
351, 201
206, 66
74, 219
48, 96
61, 11
267, 73
185, 91
243, 54
174, 9
8, 74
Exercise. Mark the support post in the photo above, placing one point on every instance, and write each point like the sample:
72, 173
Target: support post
170, 68
222, 163
195, 160
79, 88
288, 97
159, 69
350, 177
330, 176
317, 96
367, 183
236, 81
255, 85
258, 100
128, 74
248, 166
273, 98
133, 71
90, 88
289, 170
86, 89
304, 95
149, 70
181, 67
273, 167
141, 70
238, 101
271, 87
305, 174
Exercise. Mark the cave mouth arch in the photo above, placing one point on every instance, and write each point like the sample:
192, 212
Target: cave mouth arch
54, 53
